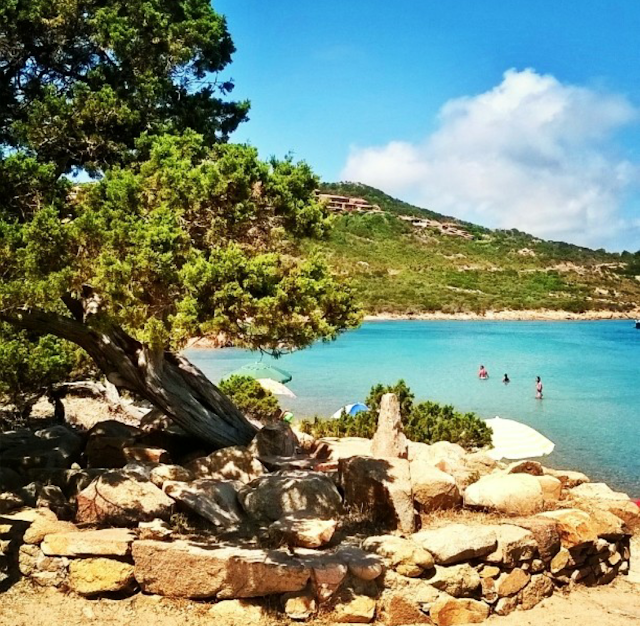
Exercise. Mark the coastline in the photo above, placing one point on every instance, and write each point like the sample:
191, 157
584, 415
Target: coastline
507, 315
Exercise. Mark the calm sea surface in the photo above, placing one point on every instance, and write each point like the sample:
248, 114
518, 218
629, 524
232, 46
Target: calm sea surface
590, 372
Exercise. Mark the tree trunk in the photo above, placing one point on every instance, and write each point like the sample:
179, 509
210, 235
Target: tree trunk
167, 380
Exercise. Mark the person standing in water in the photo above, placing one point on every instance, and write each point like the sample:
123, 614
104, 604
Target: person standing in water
506, 380
482, 373
538, 388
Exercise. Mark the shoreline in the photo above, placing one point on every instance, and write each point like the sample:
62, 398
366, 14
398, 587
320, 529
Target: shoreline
507, 315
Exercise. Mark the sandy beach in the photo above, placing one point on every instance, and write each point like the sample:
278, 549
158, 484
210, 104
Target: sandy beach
507, 315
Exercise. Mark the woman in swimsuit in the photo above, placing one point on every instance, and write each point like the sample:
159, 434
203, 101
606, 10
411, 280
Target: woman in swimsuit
483, 374
538, 388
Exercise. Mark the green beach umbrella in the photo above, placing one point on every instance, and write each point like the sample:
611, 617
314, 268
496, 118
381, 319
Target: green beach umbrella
263, 370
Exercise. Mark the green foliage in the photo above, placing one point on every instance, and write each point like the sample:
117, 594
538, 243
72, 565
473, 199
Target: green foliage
30, 365
81, 80
425, 422
250, 397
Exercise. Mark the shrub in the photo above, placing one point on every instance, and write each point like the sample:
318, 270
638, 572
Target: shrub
250, 397
424, 422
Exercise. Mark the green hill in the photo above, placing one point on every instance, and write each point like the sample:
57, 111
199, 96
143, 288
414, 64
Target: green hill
408, 260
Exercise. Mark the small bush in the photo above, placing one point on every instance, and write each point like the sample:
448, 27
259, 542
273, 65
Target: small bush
424, 422
250, 397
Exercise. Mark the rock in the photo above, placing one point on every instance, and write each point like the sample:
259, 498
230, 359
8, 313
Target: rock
432, 489
507, 605
100, 575
43, 526
512, 494
10, 480
361, 564
389, 440
380, 488
44, 570
107, 452
232, 463
139, 469
71, 481
459, 581
54, 448
299, 606
545, 533
336, 448
156, 529
305, 532
574, 526
606, 524
449, 611
117, 499
273, 496
182, 569
515, 545
568, 478
214, 500
52, 498
488, 590
358, 610
402, 555
103, 542
489, 571
159, 475
603, 497
561, 561
275, 439
327, 574
146, 454
113, 428
508, 584
551, 489
237, 613
537, 566
533, 468
455, 543
401, 610
10, 502
436, 452
539, 587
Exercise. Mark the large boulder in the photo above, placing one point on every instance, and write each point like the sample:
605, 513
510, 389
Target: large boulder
456, 543
568, 478
432, 489
380, 488
107, 442
515, 545
544, 531
402, 555
93, 576
273, 496
512, 494
232, 463
275, 439
181, 569
336, 448
574, 526
119, 498
58, 447
459, 581
44, 570
389, 439
601, 496
162, 473
214, 500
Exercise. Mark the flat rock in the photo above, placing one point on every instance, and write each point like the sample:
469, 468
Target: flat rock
43, 526
47, 571
400, 609
515, 544
389, 440
299, 605
512, 494
433, 489
603, 497
273, 496
233, 463
402, 555
436, 452
457, 542
116, 498
100, 575
508, 584
305, 532
182, 569
568, 478
539, 588
449, 611
545, 532
336, 448
214, 500
459, 581
359, 609
159, 475
237, 613
102, 542
381, 488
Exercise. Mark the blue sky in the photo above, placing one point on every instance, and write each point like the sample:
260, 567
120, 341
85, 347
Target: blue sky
510, 114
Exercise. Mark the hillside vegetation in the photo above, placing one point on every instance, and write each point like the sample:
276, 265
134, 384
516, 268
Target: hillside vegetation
400, 267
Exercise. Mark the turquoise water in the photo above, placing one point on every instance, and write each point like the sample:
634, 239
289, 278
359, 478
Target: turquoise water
590, 372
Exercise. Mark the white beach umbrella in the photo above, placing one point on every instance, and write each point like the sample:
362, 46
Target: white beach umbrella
514, 440
275, 387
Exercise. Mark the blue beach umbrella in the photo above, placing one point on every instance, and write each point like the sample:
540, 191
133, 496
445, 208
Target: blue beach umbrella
350, 409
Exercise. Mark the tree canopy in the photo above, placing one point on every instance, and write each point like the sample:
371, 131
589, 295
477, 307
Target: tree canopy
183, 234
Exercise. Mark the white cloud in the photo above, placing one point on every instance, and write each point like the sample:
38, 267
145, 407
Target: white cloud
531, 153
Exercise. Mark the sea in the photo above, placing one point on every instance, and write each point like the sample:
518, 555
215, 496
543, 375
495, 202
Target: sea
590, 371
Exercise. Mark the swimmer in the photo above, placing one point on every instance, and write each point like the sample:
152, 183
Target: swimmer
506, 380
482, 373
538, 388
